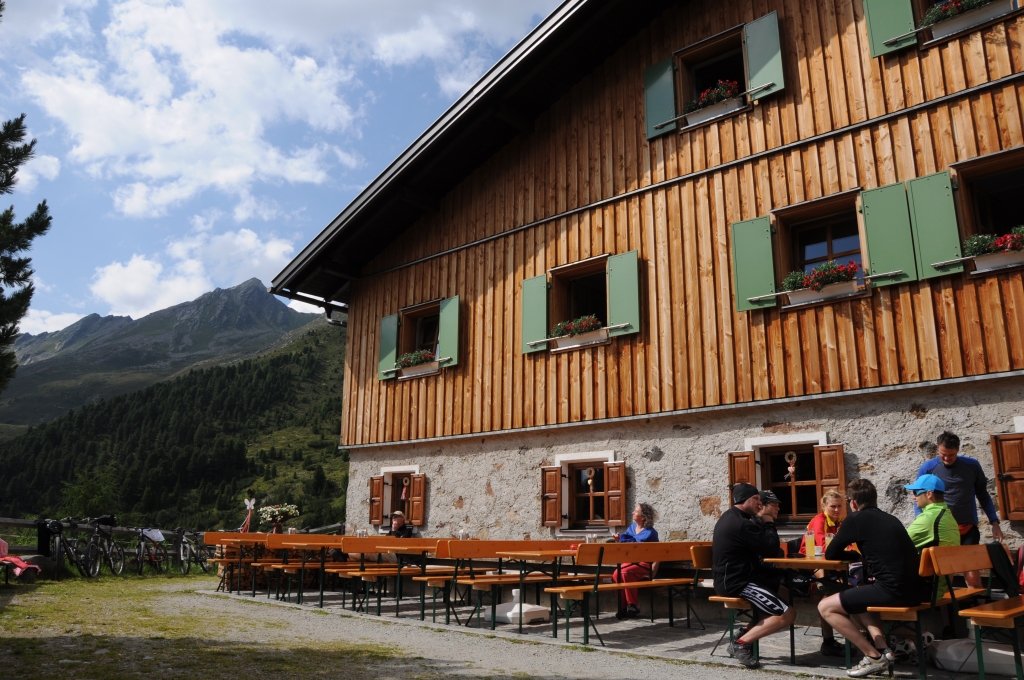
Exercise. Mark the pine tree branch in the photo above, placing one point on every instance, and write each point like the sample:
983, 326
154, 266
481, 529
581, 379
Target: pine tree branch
13, 152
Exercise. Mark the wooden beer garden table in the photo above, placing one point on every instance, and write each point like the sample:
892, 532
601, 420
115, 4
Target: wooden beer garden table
807, 564
312, 544
241, 542
399, 552
554, 557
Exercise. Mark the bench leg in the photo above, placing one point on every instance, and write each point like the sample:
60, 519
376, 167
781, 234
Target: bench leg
732, 619
651, 590
423, 600
380, 591
588, 621
554, 617
1016, 652
980, 651
671, 613
922, 662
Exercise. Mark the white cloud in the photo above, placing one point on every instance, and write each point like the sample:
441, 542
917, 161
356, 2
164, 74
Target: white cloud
304, 308
41, 285
40, 321
35, 20
249, 206
38, 167
198, 263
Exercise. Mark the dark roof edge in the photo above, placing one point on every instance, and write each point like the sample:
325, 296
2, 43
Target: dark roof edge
462, 106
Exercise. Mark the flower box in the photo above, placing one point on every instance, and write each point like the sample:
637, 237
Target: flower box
808, 295
984, 263
962, 22
419, 369
583, 339
714, 111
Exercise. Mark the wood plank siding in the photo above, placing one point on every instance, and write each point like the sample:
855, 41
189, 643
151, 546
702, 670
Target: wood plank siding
694, 349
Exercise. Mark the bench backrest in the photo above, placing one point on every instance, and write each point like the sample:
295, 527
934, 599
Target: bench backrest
480, 550
278, 541
442, 552
372, 544
949, 560
701, 556
219, 537
592, 554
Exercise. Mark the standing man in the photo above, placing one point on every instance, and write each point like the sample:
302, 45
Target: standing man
965, 481
743, 537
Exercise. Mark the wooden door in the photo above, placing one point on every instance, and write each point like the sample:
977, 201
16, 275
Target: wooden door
551, 496
831, 469
417, 499
742, 468
615, 498
377, 500
1008, 458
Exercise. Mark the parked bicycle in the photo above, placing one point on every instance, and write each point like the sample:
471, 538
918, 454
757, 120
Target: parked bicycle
62, 547
150, 549
191, 551
102, 549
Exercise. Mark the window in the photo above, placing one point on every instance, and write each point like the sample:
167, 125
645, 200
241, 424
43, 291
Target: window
420, 326
607, 286
431, 326
701, 66
400, 488
892, 23
587, 488
832, 238
989, 193
583, 491
1008, 460
818, 468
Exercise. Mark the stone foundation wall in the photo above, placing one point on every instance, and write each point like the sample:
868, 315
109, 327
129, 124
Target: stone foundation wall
490, 485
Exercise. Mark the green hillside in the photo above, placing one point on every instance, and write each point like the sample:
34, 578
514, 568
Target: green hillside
184, 451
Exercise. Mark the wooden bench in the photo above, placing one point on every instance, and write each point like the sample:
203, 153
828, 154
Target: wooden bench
702, 558
953, 560
1000, 614
600, 555
231, 561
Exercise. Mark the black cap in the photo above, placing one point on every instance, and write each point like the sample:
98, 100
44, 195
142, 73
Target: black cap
769, 497
742, 492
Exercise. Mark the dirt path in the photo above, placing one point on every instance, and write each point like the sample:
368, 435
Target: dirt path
115, 628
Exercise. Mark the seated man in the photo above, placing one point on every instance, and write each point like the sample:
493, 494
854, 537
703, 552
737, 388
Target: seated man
399, 529
890, 557
741, 540
935, 525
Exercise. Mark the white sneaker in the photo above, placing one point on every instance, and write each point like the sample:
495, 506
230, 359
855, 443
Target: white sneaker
869, 666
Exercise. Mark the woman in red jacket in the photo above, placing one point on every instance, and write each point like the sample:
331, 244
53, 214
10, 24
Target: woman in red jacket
825, 524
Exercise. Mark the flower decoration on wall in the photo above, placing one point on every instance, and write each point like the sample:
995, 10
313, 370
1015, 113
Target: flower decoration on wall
824, 274
421, 356
987, 244
274, 514
948, 9
721, 91
584, 324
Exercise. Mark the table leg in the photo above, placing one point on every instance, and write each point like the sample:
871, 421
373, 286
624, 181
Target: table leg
1016, 652
980, 650
792, 626
522, 596
495, 590
398, 586
323, 573
302, 578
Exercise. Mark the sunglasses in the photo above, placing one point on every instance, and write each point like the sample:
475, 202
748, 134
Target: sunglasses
920, 492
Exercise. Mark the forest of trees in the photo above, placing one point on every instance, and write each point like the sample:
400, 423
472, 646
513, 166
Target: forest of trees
183, 452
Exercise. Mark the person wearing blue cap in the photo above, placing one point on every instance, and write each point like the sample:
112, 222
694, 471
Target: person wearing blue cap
935, 525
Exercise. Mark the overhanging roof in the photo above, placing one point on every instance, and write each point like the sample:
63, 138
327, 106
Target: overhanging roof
565, 47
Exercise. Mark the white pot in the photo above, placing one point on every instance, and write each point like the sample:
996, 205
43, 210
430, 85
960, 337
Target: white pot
802, 297
591, 338
715, 110
984, 263
419, 369
962, 22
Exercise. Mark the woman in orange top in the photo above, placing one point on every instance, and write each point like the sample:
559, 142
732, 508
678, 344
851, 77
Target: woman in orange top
825, 523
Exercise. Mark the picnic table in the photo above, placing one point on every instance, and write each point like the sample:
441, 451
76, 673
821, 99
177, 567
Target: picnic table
542, 557
400, 551
240, 541
807, 564
306, 544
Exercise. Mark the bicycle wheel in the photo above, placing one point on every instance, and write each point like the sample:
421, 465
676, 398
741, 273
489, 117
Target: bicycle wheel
57, 553
93, 558
200, 558
77, 555
140, 557
115, 558
184, 558
161, 560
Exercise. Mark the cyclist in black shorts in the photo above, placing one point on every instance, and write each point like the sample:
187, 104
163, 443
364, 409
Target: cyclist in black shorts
741, 540
890, 558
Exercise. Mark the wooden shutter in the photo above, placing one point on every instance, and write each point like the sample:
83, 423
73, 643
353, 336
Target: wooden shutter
448, 332
933, 215
624, 293
417, 498
888, 235
742, 468
534, 313
753, 270
615, 494
659, 97
888, 19
763, 52
831, 468
1008, 459
388, 352
551, 496
377, 500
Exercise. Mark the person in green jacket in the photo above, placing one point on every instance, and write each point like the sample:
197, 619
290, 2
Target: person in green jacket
935, 525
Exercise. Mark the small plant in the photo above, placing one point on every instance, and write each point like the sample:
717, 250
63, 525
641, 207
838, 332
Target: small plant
724, 89
825, 274
987, 244
584, 324
420, 356
948, 9
272, 514
979, 244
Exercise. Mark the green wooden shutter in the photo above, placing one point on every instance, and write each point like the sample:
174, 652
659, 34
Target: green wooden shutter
659, 97
535, 313
933, 214
624, 293
448, 332
752, 264
388, 347
763, 51
889, 236
888, 19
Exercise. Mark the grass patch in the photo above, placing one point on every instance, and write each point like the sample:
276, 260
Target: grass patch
581, 648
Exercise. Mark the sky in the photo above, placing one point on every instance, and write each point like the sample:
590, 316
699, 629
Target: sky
186, 145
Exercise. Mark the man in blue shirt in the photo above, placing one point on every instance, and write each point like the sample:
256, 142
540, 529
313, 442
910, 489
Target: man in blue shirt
965, 481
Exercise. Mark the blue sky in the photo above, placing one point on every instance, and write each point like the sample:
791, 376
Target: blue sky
185, 145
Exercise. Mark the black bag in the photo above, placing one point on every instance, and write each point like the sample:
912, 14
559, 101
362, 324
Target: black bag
1002, 570
42, 538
